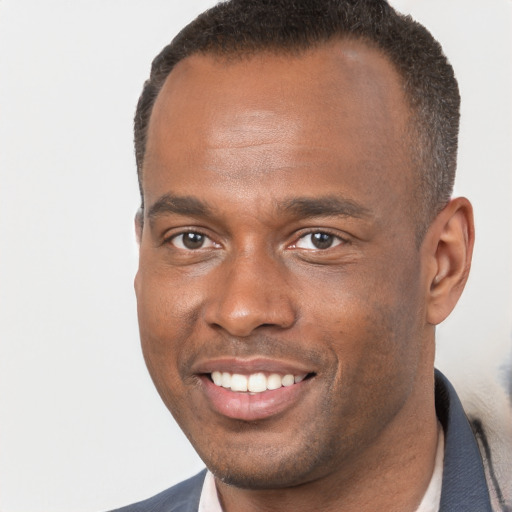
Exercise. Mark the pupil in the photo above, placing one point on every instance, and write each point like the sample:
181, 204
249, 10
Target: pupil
193, 240
322, 240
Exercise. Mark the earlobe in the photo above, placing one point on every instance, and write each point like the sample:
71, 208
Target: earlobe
451, 238
139, 223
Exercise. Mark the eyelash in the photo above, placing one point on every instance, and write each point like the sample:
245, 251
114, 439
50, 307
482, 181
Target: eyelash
337, 239
171, 239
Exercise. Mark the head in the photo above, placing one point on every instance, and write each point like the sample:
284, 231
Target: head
289, 281
241, 28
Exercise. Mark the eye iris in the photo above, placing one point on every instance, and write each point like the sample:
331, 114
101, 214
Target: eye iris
322, 240
193, 240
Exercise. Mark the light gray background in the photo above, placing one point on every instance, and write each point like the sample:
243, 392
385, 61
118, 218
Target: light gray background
81, 427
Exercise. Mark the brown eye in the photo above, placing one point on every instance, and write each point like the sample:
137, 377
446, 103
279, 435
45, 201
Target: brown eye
318, 240
191, 240
322, 240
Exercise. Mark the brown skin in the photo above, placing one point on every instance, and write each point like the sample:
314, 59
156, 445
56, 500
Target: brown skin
246, 137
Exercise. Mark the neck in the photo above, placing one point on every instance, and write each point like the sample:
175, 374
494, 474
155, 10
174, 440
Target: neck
392, 474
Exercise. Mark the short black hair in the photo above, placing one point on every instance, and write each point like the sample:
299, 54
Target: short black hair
246, 27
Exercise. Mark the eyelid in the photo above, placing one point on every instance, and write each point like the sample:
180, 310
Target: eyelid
169, 239
339, 239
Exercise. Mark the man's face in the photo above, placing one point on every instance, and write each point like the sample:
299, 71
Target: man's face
278, 241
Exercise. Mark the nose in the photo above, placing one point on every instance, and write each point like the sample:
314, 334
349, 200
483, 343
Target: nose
250, 292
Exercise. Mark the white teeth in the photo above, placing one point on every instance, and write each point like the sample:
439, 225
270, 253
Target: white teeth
226, 380
238, 382
274, 381
288, 380
256, 382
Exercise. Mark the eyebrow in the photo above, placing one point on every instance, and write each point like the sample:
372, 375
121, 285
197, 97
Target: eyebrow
302, 207
178, 205
327, 206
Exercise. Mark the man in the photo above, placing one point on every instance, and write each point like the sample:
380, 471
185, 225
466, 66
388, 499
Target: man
298, 246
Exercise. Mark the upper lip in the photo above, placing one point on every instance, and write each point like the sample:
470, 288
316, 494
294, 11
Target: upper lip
246, 366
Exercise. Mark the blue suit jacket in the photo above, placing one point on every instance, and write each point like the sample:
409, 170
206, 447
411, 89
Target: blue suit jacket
464, 486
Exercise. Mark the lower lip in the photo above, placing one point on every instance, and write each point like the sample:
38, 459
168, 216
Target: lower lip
252, 407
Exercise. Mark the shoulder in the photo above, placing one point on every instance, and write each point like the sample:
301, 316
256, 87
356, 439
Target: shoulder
183, 497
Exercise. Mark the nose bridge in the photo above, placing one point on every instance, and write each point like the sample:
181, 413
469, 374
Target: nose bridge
251, 292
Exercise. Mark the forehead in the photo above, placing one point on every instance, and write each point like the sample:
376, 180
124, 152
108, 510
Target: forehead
336, 107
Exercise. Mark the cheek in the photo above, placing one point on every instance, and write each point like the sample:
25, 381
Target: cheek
167, 316
377, 354
166, 304
371, 320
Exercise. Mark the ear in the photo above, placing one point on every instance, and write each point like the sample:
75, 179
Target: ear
449, 248
139, 223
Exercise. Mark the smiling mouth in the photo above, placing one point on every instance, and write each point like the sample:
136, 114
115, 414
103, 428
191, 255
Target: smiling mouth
258, 382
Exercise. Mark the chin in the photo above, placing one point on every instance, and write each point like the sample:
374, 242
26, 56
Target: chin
249, 478
268, 468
